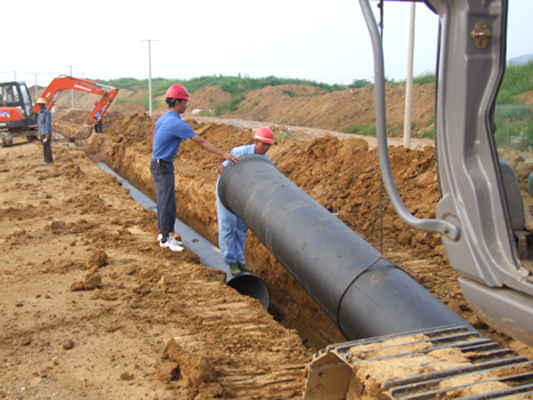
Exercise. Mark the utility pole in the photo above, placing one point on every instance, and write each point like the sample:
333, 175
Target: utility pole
71, 91
149, 74
409, 83
36, 88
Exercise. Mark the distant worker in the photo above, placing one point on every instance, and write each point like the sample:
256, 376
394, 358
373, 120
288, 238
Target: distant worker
98, 126
44, 119
8, 95
232, 231
170, 130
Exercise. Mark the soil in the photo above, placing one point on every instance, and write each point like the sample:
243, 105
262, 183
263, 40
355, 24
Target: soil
92, 307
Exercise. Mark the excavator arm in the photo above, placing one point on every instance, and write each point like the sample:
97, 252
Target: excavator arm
480, 215
61, 83
481, 221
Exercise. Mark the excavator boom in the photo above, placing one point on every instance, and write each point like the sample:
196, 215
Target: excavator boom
62, 83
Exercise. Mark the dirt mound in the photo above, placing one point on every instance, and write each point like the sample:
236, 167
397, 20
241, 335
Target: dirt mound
312, 107
208, 98
527, 97
296, 105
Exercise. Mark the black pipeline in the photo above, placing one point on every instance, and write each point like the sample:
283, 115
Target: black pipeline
363, 293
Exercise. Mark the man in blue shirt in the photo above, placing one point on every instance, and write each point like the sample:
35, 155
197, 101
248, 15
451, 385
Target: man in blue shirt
170, 130
232, 231
98, 125
44, 119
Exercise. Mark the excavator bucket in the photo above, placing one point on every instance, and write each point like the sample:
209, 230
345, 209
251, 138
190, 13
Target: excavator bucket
84, 133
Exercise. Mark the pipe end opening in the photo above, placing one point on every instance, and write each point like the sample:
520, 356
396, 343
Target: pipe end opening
253, 286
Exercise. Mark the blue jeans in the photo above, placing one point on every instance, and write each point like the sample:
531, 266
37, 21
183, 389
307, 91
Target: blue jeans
163, 177
232, 234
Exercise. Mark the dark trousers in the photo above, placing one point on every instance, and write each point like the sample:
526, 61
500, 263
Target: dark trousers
47, 150
163, 177
98, 126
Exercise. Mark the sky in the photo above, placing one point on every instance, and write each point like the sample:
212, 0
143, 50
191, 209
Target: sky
320, 41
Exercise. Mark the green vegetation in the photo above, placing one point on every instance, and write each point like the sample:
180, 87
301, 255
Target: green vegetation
289, 93
285, 136
518, 79
366, 130
234, 85
514, 120
514, 123
424, 79
227, 107
359, 83
428, 133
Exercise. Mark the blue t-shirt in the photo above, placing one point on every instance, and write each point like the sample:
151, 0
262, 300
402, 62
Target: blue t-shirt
169, 131
242, 151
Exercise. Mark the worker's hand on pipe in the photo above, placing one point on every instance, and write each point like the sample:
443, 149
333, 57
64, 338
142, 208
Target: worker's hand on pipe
232, 159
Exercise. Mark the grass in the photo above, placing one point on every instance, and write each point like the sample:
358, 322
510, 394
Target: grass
366, 130
518, 79
289, 93
227, 107
285, 136
514, 126
428, 134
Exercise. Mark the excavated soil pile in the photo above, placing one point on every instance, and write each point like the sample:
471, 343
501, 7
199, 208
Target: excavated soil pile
297, 105
312, 107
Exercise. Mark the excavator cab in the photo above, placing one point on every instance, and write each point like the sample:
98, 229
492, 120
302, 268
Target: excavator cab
16, 112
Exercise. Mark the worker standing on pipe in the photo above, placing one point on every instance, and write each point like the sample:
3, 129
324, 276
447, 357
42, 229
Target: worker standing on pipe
170, 130
232, 231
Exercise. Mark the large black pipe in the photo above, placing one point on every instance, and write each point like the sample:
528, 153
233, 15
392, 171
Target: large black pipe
363, 293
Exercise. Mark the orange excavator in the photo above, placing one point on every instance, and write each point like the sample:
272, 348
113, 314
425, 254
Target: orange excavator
18, 117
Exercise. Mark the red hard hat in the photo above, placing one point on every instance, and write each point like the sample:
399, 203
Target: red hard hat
95, 101
264, 135
178, 92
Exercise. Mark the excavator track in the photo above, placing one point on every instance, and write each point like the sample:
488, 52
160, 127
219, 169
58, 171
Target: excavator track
442, 363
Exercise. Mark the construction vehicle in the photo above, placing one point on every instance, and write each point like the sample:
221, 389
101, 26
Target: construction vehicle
18, 118
16, 112
391, 321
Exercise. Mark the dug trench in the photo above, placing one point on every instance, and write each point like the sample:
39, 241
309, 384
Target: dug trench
93, 308
342, 175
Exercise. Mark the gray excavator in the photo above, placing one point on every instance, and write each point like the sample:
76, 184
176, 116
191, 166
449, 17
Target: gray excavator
404, 343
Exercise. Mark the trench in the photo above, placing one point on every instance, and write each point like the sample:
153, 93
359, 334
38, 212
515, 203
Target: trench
247, 284
298, 312
364, 298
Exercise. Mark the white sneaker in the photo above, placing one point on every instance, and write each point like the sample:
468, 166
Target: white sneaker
171, 243
160, 236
